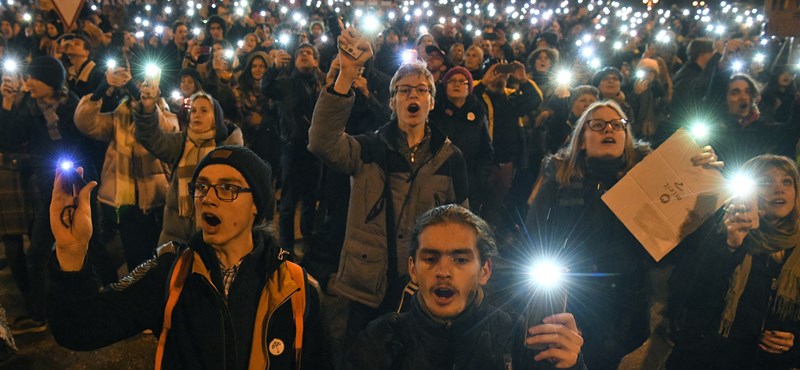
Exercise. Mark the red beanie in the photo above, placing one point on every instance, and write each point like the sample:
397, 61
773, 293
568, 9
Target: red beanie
458, 70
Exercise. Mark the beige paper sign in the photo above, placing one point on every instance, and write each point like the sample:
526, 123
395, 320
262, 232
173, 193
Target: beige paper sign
664, 198
68, 11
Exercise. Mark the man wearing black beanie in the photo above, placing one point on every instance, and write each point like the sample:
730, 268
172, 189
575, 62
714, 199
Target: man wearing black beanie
242, 303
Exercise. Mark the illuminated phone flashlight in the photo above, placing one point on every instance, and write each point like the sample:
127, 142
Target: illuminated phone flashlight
737, 65
139, 34
284, 39
229, 54
66, 164
324, 38
587, 52
741, 185
240, 43
564, 77
111, 63
640, 74
168, 10
151, 70
176, 94
409, 56
26, 17
371, 23
720, 29
148, 7
197, 31
617, 45
516, 36
759, 58
10, 65
547, 274
699, 130
146, 23
94, 8
159, 30
239, 12
595, 63
263, 13
423, 30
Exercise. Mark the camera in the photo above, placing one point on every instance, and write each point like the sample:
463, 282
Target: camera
504, 68
350, 49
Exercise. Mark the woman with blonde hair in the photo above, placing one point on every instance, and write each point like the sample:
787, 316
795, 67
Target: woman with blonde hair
569, 221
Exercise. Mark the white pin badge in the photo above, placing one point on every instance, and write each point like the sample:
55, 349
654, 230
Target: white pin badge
276, 347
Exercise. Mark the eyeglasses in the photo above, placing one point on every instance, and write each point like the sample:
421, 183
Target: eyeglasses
600, 125
406, 89
458, 82
225, 192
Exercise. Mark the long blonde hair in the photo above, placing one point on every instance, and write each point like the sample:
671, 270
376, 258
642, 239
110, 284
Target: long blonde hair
570, 160
758, 167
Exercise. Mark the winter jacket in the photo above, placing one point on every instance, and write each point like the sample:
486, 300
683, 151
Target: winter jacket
467, 128
608, 263
125, 157
296, 96
169, 147
697, 291
481, 338
26, 123
442, 179
209, 330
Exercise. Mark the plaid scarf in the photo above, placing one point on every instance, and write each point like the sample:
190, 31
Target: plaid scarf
775, 241
197, 146
51, 117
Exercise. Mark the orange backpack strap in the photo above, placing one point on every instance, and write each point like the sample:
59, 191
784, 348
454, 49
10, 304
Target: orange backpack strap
179, 273
298, 307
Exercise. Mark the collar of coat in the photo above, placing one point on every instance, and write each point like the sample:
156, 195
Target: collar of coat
390, 134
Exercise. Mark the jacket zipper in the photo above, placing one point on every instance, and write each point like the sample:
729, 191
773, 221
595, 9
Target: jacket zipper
226, 318
269, 318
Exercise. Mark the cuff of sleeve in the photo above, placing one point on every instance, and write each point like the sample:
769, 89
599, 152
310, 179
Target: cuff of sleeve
133, 90
332, 91
100, 91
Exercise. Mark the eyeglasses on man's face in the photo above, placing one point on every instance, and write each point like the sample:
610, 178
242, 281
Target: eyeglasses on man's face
406, 89
597, 124
225, 192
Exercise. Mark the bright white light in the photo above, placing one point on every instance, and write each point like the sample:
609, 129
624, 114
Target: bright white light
408, 56
138, 20
176, 94
151, 70
263, 13
699, 130
324, 38
229, 54
391, 15
595, 63
720, 29
111, 63
587, 52
284, 38
10, 65
159, 29
423, 30
27, 17
515, 36
239, 12
617, 45
66, 165
371, 23
168, 10
240, 43
547, 274
759, 58
145, 23
197, 30
139, 34
737, 65
564, 77
741, 185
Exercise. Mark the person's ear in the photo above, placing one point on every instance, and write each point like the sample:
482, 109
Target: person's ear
412, 271
485, 273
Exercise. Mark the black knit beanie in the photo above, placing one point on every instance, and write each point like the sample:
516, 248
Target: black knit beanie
255, 171
48, 70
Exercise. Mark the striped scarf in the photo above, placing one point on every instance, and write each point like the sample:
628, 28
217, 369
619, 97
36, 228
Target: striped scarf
775, 241
197, 146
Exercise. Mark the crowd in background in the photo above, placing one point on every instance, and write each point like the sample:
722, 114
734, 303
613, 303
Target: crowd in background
519, 89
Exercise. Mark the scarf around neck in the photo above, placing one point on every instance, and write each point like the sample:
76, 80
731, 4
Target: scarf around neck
197, 146
768, 239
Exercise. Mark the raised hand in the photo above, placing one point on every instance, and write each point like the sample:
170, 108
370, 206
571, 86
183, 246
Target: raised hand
560, 337
71, 223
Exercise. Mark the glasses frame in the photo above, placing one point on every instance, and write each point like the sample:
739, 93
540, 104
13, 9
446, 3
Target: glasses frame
196, 194
420, 89
623, 127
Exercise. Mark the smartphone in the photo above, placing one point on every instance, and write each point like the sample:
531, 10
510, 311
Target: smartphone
749, 206
504, 68
71, 181
543, 303
205, 50
360, 71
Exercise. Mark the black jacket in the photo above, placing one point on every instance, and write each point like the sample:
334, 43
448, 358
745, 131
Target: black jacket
208, 331
296, 96
482, 338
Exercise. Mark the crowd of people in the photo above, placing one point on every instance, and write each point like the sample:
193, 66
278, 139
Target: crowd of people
429, 148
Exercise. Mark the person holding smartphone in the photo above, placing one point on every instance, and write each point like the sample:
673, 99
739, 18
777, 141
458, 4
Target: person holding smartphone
734, 298
451, 324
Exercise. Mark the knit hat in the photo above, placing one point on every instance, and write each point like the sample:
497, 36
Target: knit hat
601, 74
48, 70
458, 70
255, 171
191, 72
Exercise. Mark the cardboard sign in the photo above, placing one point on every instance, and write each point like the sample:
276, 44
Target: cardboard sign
664, 198
68, 11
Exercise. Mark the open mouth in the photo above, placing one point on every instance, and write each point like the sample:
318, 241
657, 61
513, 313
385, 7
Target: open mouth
413, 108
444, 293
742, 106
778, 202
211, 219
609, 140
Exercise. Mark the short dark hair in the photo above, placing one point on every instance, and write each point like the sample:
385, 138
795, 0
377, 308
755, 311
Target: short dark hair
699, 47
750, 83
453, 213
177, 24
